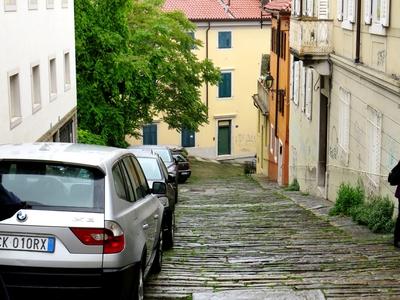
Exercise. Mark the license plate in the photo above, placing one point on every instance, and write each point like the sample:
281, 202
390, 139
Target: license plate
185, 173
27, 243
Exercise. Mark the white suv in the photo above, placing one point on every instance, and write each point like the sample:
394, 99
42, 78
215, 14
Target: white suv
90, 225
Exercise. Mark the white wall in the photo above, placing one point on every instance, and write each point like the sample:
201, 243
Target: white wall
28, 37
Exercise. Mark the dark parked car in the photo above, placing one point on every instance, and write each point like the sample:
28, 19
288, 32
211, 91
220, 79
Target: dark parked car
162, 185
166, 155
184, 171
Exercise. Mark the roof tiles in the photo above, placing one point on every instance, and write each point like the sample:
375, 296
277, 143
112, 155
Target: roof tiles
217, 9
279, 5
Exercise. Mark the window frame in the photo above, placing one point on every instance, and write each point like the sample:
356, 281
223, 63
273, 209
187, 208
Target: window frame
67, 70
53, 83
14, 111
231, 86
10, 7
219, 39
374, 142
36, 88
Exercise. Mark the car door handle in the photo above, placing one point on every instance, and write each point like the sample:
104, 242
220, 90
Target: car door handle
156, 217
146, 226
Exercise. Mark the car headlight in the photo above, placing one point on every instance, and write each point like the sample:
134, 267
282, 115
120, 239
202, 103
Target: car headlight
164, 201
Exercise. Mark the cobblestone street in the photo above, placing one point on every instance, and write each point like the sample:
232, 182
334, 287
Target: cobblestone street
234, 234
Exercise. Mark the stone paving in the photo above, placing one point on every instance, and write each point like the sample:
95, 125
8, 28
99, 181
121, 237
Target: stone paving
235, 234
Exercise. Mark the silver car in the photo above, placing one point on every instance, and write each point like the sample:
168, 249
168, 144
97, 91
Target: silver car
90, 224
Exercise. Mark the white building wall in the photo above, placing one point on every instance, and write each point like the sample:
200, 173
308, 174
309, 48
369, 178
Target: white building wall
31, 36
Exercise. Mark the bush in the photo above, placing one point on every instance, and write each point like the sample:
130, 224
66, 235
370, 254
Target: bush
294, 186
348, 198
86, 137
376, 213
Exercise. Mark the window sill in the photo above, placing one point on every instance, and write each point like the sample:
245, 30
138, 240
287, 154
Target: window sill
377, 29
36, 108
224, 98
33, 7
53, 96
346, 24
15, 121
10, 7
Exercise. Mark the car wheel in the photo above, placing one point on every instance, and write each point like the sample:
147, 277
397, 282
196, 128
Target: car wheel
170, 233
157, 263
138, 290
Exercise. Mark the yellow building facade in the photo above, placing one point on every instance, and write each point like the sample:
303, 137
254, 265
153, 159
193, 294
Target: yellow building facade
235, 47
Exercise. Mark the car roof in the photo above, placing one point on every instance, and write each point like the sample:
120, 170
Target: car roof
141, 153
83, 154
148, 147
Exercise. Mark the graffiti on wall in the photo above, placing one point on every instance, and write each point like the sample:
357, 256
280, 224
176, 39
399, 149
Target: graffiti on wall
245, 142
334, 144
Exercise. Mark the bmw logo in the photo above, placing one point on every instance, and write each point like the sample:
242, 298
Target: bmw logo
22, 216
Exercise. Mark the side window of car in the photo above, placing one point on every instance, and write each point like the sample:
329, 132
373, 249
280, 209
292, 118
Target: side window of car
134, 178
119, 183
142, 178
129, 183
163, 169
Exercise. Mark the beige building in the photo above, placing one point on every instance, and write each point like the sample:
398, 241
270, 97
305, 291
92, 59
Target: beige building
352, 85
234, 36
37, 71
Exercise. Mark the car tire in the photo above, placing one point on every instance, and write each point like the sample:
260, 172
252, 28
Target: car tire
157, 263
138, 288
170, 233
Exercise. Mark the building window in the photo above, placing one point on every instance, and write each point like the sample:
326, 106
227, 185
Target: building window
15, 99
309, 93
67, 72
33, 4
303, 83
344, 123
273, 40
282, 44
36, 93
374, 133
271, 138
346, 10
377, 14
150, 134
53, 78
295, 82
225, 85
49, 4
224, 39
281, 101
64, 3
10, 5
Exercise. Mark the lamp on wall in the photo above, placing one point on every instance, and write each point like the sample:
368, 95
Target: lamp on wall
269, 80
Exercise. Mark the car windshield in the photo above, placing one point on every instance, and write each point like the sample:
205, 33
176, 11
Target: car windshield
58, 186
164, 154
150, 168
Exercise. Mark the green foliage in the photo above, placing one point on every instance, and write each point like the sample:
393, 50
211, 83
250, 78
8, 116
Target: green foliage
294, 186
133, 63
376, 213
347, 197
86, 137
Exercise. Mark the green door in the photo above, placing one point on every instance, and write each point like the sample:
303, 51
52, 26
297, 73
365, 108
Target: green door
224, 137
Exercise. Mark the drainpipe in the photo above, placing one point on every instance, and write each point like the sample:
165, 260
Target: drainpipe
358, 33
208, 29
278, 54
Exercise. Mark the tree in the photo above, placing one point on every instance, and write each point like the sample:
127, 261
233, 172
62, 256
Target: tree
135, 62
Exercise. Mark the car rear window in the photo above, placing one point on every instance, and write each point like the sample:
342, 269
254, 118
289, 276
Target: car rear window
150, 168
164, 154
54, 186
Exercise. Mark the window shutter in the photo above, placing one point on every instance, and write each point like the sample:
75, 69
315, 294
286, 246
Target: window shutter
323, 9
309, 90
292, 76
351, 10
310, 8
385, 12
367, 11
297, 8
303, 87
339, 8
296, 82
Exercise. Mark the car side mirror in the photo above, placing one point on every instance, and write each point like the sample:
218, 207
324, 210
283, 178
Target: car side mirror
159, 187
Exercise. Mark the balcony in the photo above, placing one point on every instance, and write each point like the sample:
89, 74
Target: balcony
310, 38
260, 99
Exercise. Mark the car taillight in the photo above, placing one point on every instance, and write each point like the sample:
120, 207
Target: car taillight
111, 237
